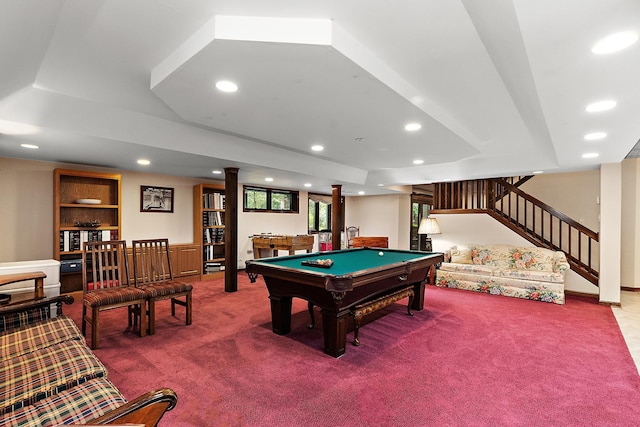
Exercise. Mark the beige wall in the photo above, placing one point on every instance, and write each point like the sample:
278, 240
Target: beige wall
574, 194
26, 212
630, 238
26, 208
388, 216
610, 233
250, 223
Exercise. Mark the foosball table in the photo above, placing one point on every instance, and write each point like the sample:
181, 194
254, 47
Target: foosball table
268, 245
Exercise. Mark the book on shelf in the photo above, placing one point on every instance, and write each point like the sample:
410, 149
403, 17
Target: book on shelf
213, 200
212, 218
212, 252
213, 235
213, 267
72, 240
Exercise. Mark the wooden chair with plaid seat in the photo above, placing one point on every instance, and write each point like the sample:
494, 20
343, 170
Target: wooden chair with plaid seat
105, 273
153, 274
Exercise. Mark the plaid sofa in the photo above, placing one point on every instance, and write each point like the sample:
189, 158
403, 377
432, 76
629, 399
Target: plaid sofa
48, 376
523, 272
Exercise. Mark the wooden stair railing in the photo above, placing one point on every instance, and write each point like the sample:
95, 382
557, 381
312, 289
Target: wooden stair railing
531, 218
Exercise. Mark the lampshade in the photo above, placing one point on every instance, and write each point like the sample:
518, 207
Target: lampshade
429, 226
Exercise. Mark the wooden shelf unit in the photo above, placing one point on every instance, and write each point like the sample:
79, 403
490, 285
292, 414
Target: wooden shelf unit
185, 261
70, 217
209, 227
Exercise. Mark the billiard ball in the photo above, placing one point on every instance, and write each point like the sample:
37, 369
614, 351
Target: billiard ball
380, 253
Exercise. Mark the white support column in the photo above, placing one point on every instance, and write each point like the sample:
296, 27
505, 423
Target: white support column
610, 231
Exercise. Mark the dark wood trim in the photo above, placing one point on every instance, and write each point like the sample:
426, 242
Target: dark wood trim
231, 229
336, 214
582, 294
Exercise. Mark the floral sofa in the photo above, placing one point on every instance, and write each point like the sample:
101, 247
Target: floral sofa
522, 272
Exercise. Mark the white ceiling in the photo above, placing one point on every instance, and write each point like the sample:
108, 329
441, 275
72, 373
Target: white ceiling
499, 86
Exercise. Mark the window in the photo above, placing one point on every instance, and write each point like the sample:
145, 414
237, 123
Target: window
320, 213
420, 207
257, 199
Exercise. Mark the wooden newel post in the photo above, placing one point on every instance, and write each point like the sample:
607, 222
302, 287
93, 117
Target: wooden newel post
336, 214
231, 229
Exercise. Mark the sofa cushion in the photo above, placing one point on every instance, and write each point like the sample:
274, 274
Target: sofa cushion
39, 335
513, 257
531, 258
461, 256
537, 291
34, 376
18, 320
469, 268
533, 275
89, 400
491, 255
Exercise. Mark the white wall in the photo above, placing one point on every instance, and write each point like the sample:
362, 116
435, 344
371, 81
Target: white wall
461, 229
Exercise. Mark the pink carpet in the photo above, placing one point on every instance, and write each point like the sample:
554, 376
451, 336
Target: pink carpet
468, 359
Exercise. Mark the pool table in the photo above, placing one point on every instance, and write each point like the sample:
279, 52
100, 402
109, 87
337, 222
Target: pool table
355, 276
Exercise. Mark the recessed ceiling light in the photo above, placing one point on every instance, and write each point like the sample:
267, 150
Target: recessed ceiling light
216, 172
601, 106
307, 184
30, 146
380, 185
418, 162
593, 136
268, 179
615, 42
317, 148
361, 193
590, 155
537, 172
144, 162
412, 127
226, 86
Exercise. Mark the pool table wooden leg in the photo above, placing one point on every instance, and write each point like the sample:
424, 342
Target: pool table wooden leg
418, 290
281, 314
311, 315
334, 328
418, 296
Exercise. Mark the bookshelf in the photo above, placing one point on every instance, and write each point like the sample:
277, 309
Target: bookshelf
86, 206
209, 227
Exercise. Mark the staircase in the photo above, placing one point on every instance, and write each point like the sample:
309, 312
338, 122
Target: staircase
539, 223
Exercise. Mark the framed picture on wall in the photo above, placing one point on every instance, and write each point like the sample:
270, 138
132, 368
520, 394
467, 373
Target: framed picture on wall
156, 199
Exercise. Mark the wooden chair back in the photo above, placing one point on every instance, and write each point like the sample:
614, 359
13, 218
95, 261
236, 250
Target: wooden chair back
370, 242
151, 261
105, 265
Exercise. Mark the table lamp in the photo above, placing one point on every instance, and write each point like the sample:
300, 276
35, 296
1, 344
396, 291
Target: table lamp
427, 226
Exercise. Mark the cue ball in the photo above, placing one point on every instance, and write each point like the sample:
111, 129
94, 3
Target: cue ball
380, 253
